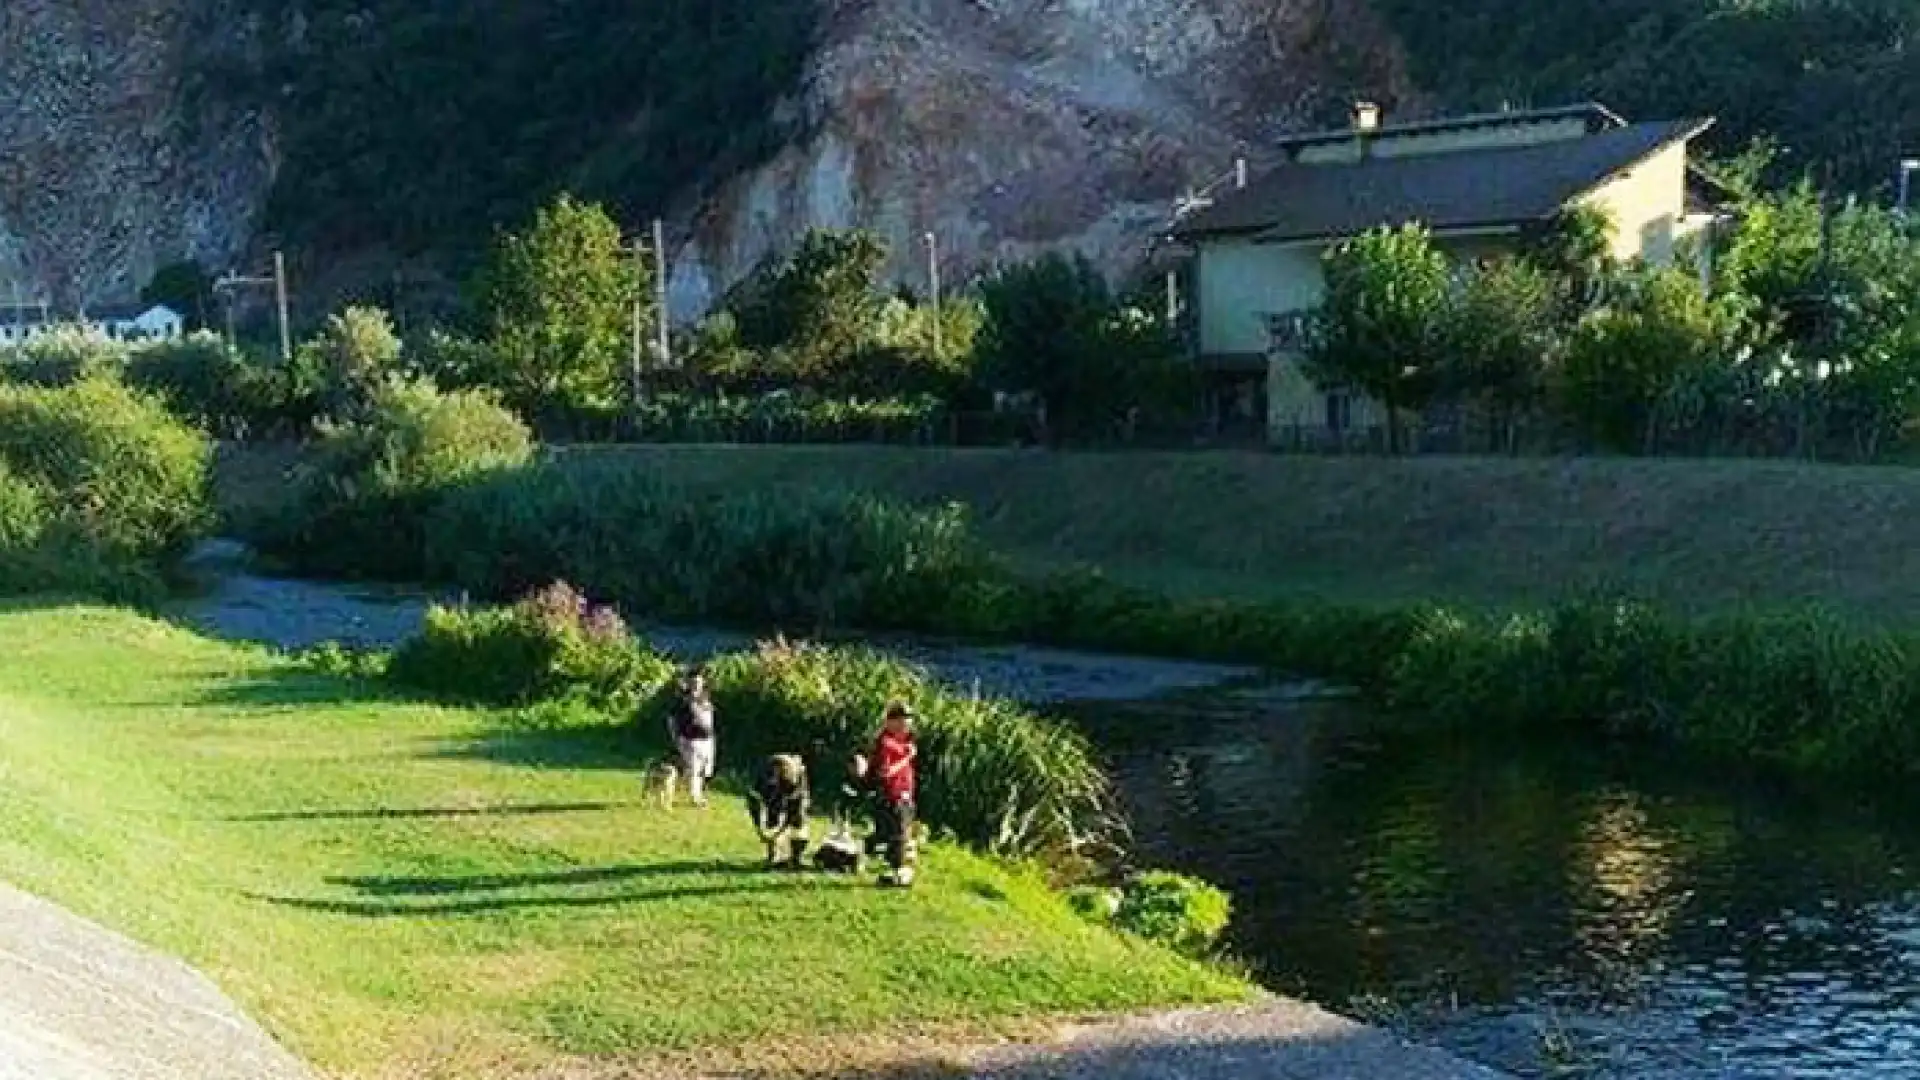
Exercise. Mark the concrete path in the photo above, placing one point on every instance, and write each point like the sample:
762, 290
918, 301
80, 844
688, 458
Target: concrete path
1279, 1040
80, 1002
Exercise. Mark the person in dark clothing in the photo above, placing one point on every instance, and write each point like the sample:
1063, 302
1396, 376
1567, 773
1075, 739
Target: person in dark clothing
779, 804
691, 726
894, 778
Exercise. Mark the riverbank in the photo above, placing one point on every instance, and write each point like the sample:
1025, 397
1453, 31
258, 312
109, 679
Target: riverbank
395, 891
1501, 533
1692, 536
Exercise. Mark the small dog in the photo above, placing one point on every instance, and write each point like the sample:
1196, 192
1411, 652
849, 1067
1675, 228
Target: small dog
840, 853
661, 780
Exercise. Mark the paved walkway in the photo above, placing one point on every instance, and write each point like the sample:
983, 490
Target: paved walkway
79, 1002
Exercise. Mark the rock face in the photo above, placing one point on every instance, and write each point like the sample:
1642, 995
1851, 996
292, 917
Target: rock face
1002, 126
111, 164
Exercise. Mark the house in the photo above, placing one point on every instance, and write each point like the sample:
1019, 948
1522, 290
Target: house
23, 323
1479, 183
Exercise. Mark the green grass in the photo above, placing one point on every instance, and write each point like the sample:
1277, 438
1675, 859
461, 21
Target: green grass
1509, 534
400, 889
1692, 535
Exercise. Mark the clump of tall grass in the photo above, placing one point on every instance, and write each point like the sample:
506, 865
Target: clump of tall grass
552, 644
994, 775
808, 560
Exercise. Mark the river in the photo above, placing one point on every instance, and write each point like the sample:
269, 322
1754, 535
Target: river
1544, 906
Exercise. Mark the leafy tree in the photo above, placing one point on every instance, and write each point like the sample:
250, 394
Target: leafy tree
557, 303
1505, 334
1574, 250
819, 305
355, 354
1624, 356
1385, 325
1052, 329
184, 287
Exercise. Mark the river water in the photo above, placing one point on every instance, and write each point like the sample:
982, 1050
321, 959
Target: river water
1546, 907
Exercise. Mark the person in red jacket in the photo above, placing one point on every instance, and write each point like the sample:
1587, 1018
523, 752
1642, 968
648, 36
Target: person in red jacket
894, 783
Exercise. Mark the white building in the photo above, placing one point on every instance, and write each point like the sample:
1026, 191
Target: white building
116, 322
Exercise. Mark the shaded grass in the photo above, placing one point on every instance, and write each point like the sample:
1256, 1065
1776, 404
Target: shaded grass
394, 899
1510, 534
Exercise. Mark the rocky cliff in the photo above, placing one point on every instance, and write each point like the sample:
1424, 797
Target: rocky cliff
1000, 126
1003, 126
109, 166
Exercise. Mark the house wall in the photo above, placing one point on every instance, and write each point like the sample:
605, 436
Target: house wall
1239, 283
1441, 142
1296, 408
1648, 207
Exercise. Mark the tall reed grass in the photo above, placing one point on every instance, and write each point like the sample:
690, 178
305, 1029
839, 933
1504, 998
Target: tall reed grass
997, 777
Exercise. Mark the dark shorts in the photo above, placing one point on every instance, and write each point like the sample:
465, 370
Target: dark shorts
893, 822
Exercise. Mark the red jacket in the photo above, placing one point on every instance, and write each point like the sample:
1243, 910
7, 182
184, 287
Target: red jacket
893, 762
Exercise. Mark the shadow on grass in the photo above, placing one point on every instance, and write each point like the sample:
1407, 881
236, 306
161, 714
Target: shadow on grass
534, 748
441, 886
392, 909
295, 687
382, 813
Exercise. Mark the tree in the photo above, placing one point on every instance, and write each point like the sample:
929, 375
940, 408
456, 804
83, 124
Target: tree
1383, 329
819, 306
557, 301
1574, 249
354, 356
1052, 329
1505, 334
184, 287
1624, 356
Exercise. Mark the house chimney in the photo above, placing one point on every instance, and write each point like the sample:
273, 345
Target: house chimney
1366, 116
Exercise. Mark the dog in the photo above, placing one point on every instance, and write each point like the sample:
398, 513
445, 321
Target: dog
661, 780
839, 853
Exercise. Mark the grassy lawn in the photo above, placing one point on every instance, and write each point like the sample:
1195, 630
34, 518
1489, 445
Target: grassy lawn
403, 890
1695, 535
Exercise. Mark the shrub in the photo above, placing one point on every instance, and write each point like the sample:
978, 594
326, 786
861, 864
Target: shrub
809, 559
62, 356
360, 504
1180, 912
219, 390
127, 476
551, 644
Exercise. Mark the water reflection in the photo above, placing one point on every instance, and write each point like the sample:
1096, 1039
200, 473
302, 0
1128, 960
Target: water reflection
1548, 908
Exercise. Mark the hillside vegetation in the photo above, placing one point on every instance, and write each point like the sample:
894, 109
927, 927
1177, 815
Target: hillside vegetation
1696, 535
402, 890
1831, 80
425, 125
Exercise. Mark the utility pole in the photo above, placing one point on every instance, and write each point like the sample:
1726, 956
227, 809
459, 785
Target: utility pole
661, 326
278, 280
280, 294
933, 289
639, 304
662, 340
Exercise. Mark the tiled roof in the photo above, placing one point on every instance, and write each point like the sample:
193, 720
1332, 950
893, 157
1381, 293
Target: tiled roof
1452, 190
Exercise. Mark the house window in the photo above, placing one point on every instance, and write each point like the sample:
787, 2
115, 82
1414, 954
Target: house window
1339, 411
